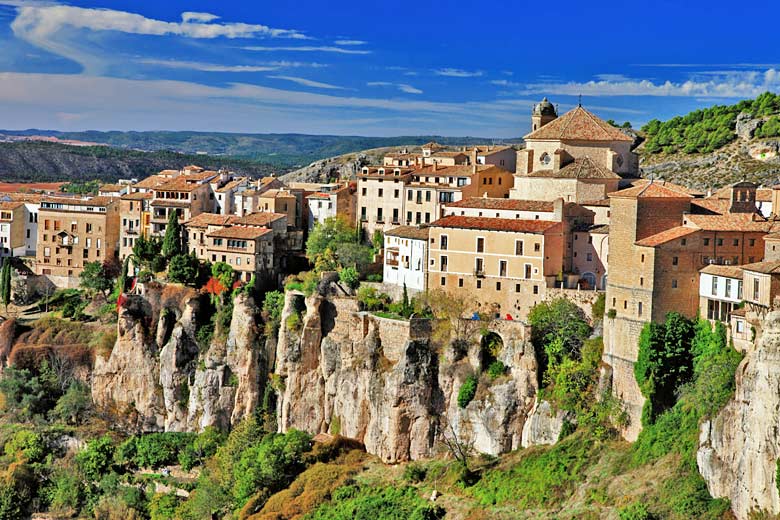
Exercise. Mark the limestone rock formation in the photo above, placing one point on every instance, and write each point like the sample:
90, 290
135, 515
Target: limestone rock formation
381, 381
543, 426
156, 378
746, 125
739, 448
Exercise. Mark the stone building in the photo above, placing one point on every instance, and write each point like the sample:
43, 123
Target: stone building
406, 257
72, 232
577, 156
329, 201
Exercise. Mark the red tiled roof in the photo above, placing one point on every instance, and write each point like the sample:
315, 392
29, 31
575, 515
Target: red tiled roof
666, 236
763, 267
745, 222
178, 184
506, 204
711, 205
653, 190
78, 201
151, 181
257, 219
412, 232
462, 170
582, 168
240, 232
495, 224
208, 219
230, 185
579, 125
727, 271
138, 195
11, 205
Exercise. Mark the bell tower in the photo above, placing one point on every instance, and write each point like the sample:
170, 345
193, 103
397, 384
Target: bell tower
542, 114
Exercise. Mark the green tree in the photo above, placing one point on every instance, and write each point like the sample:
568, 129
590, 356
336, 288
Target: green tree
467, 391
273, 305
96, 458
558, 329
5, 282
74, 404
184, 268
326, 235
172, 243
95, 278
350, 277
148, 252
223, 273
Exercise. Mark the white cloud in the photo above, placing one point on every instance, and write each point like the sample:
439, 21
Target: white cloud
611, 77
207, 67
458, 73
309, 48
735, 84
190, 16
56, 28
403, 87
504, 83
307, 82
350, 42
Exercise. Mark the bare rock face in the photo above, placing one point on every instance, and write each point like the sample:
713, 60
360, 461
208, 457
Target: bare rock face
127, 382
380, 381
543, 426
156, 378
746, 125
739, 448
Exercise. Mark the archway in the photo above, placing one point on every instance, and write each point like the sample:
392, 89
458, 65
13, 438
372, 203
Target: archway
491, 346
589, 279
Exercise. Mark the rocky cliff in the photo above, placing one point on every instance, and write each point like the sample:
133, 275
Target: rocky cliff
383, 382
158, 378
740, 447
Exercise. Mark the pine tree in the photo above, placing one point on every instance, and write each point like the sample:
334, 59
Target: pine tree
171, 245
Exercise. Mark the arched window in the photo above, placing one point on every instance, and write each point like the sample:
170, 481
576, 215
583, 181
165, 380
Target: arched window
589, 280
545, 158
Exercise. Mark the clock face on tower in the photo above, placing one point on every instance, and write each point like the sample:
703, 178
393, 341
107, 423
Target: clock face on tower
545, 158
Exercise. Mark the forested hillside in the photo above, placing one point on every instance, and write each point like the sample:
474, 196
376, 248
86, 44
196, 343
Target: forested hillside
34, 161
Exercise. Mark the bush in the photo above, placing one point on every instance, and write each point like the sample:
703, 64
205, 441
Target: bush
635, 511
155, 450
30, 445
467, 391
496, 370
415, 472
163, 506
350, 277
273, 305
558, 329
372, 300
597, 308
293, 322
75, 403
184, 268
376, 277
96, 458
388, 503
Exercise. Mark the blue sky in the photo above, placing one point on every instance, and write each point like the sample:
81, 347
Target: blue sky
372, 68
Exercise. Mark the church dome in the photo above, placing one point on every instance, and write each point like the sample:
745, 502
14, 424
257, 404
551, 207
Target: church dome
545, 108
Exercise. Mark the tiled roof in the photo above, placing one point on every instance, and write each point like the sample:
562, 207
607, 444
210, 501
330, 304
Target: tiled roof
579, 125
602, 203
178, 184
257, 219
653, 190
201, 175
602, 229
582, 168
170, 203
772, 236
230, 185
277, 194
433, 145
208, 219
111, 187
411, 232
33, 198
506, 204
450, 154
745, 222
666, 236
727, 271
78, 201
488, 150
739, 312
137, 196
711, 205
763, 267
495, 224
320, 195
151, 181
11, 205
240, 232
462, 170
764, 195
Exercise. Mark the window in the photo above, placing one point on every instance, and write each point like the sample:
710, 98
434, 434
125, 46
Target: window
89, 228
752, 242
479, 266
545, 158
537, 247
714, 285
480, 245
363, 214
536, 289
444, 264
641, 282
739, 289
755, 289
498, 286
642, 259
517, 287
735, 242
674, 260
395, 194
674, 284
502, 268
379, 216
443, 280
519, 247
427, 196
408, 217
625, 305
409, 195
589, 257
706, 241
527, 271
417, 217
740, 326
720, 241
380, 192
443, 242
684, 241
639, 309
395, 215
728, 287
363, 192
460, 282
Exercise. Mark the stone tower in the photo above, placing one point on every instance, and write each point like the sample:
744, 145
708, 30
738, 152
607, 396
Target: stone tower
542, 114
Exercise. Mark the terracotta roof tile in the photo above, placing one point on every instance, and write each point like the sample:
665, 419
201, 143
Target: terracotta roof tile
411, 232
711, 205
582, 168
763, 267
505, 204
653, 190
495, 224
666, 236
151, 182
178, 184
240, 232
728, 271
231, 185
137, 196
745, 222
208, 219
79, 201
257, 219
579, 125
11, 205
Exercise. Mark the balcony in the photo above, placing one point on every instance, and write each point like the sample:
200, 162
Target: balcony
392, 262
130, 231
479, 273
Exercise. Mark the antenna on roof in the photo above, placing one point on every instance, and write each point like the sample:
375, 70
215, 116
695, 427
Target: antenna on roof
579, 104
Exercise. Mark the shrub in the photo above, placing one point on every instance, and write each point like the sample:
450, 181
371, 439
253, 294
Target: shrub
376, 277
293, 322
558, 329
372, 300
184, 268
635, 511
30, 445
163, 506
96, 458
273, 305
387, 503
597, 308
496, 370
415, 472
467, 391
612, 314
74, 404
350, 277
155, 450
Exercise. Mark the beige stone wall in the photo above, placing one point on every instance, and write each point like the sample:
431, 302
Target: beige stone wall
16, 229
597, 246
369, 197
570, 190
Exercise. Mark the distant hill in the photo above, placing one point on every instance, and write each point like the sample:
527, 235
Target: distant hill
284, 151
34, 161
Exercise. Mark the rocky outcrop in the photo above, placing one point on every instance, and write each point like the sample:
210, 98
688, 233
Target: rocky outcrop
746, 125
544, 425
740, 447
340, 167
157, 379
381, 381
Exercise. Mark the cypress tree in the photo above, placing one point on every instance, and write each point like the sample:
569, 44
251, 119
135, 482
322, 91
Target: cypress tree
171, 245
5, 282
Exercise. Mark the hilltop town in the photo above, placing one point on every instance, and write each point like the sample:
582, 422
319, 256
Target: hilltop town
484, 234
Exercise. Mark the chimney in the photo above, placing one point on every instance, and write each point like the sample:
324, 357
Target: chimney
435, 165
474, 156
